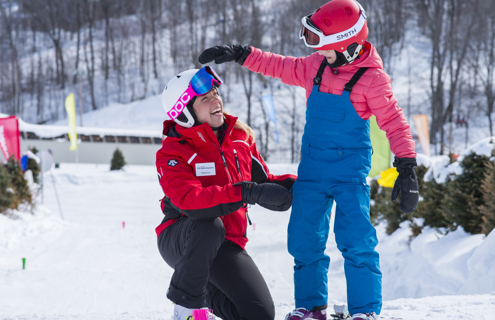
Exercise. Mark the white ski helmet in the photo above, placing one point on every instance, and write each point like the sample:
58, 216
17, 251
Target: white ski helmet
182, 89
175, 108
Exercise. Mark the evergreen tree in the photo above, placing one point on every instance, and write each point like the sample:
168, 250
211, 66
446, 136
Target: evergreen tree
34, 166
429, 208
118, 161
6, 196
22, 195
384, 209
463, 196
488, 208
376, 197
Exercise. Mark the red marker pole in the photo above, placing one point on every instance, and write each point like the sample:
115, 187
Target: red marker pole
123, 224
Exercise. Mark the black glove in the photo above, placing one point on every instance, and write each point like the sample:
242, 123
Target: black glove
407, 184
225, 53
268, 195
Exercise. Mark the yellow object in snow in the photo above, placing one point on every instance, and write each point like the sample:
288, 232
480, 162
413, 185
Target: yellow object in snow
388, 178
70, 107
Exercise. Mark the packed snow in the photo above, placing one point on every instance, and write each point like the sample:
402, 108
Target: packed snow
95, 256
91, 253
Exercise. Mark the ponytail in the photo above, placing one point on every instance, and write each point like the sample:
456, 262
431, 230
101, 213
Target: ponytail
243, 127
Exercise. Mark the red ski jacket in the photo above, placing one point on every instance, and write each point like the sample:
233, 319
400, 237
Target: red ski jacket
197, 175
372, 94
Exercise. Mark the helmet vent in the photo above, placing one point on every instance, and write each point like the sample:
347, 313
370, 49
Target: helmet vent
348, 11
327, 22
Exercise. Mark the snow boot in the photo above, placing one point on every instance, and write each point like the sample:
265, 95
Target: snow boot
365, 316
182, 313
301, 313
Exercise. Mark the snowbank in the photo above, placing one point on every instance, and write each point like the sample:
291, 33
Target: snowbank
435, 263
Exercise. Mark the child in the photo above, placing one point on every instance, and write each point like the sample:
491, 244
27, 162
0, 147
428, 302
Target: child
345, 84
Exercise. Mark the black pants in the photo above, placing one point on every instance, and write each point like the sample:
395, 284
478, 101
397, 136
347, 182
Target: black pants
213, 272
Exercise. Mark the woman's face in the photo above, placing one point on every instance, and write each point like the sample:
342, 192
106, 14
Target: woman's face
209, 108
329, 54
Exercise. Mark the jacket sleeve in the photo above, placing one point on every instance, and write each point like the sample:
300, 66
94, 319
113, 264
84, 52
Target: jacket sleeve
390, 118
187, 194
290, 70
261, 174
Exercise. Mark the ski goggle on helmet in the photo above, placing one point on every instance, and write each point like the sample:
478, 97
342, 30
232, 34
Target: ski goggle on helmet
334, 26
182, 88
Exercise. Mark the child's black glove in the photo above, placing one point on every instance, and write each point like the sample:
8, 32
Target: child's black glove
268, 195
407, 184
225, 53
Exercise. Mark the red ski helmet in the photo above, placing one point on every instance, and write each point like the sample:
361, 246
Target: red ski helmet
336, 25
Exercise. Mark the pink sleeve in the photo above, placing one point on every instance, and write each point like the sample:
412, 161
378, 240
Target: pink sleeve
390, 117
290, 70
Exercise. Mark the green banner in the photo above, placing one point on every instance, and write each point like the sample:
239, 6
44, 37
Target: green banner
380, 160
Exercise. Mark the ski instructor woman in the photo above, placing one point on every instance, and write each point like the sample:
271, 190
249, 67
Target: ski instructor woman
209, 169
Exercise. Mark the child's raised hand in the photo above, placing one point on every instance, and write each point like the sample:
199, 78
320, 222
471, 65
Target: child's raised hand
225, 53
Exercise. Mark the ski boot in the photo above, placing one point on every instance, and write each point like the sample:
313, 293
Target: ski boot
303, 314
182, 313
365, 316
340, 312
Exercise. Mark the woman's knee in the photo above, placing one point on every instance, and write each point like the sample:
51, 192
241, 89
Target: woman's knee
257, 311
213, 228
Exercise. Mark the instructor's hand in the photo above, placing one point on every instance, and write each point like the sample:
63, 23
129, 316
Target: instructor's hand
407, 184
268, 195
225, 53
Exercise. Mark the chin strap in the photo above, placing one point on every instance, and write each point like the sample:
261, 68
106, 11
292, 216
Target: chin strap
348, 56
340, 61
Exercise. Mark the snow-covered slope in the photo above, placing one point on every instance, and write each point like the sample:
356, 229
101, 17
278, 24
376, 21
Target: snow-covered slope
88, 266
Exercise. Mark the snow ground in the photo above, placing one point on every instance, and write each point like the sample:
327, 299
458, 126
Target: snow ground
88, 266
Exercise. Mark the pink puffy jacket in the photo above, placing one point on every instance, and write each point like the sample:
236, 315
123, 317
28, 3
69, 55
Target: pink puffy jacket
372, 94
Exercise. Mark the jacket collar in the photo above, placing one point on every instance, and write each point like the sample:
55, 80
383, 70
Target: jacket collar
199, 136
370, 58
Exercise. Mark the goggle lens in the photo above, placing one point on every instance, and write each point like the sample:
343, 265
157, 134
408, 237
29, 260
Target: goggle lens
311, 38
203, 81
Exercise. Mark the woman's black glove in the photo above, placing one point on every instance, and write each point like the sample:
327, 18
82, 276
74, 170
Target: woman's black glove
407, 184
268, 195
225, 53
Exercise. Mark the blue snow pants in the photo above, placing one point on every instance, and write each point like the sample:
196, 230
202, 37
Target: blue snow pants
336, 159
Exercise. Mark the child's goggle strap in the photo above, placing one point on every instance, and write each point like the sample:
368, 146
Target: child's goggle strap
314, 38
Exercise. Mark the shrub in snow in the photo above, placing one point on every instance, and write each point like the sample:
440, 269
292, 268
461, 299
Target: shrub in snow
22, 194
429, 207
383, 208
118, 161
34, 166
464, 197
487, 209
6, 193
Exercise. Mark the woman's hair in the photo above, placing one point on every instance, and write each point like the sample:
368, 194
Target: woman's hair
243, 127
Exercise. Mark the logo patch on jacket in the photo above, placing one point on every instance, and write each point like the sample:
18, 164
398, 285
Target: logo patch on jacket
172, 162
205, 169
